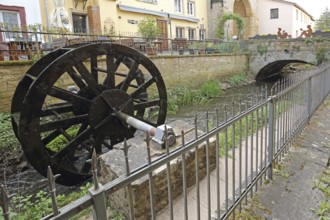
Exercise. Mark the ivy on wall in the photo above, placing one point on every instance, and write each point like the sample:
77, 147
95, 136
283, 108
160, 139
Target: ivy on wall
229, 16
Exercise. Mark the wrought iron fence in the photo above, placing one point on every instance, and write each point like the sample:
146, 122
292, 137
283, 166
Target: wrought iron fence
32, 42
220, 167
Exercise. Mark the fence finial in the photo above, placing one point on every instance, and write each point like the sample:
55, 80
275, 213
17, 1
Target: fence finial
52, 189
93, 161
4, 202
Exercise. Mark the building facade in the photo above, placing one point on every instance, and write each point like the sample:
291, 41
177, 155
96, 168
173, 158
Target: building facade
282, 14
20, 12
176, 18
189, 19
245, 8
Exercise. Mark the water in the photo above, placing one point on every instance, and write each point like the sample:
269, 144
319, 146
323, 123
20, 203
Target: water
227, 103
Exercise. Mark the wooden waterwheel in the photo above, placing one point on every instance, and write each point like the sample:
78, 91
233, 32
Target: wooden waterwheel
64, 106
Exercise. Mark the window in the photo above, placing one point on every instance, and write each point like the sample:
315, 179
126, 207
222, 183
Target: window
202, 34
178, 6
11, 21
273, 13
191, 34
79, 23
297, 15
191, 8
179, 32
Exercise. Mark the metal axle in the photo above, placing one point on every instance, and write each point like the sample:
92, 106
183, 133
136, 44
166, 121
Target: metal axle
159, 134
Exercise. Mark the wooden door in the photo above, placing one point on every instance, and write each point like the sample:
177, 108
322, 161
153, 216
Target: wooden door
162, 24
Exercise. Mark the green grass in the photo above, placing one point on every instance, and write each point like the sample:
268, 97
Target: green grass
61, 141
236, 80
237, 132
8, 139
182, 96
322, 183
40, 205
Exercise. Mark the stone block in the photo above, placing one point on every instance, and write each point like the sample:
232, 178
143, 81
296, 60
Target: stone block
112, 166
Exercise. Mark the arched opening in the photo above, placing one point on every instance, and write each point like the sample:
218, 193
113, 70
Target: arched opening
274, 71
243, 8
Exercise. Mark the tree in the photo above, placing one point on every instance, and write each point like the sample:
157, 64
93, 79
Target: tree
323, 23
148, 29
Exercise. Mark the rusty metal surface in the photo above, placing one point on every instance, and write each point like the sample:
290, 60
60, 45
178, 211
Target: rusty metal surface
71, 94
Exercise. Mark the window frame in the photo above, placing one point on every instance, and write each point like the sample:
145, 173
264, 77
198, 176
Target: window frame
179, 32
191, 8
10, 35
191, 34
178, 6
274, 13
85, 20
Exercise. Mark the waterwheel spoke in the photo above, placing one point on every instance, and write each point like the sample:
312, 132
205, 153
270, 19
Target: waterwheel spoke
87, 76
56, 110
54, 134
98, 147
73, 144
107, 145
69, 97
142, 88
76, 78
62, 123
98, 143
94, 67
144, 105
130, 76
118, 62
111, 69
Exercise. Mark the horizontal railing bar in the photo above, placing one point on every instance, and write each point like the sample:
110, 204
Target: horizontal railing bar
73, 208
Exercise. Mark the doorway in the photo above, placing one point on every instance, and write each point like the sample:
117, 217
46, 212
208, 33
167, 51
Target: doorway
162, 25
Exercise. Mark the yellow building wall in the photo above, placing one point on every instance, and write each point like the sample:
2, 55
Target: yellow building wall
48, 6
120, 21
121, 18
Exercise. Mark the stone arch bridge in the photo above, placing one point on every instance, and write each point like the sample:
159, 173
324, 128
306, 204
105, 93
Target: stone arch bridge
268, 57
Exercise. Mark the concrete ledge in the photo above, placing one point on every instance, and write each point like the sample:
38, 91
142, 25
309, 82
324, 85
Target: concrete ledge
113, 166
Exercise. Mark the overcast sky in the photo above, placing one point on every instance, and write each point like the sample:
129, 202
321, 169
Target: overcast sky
314, 7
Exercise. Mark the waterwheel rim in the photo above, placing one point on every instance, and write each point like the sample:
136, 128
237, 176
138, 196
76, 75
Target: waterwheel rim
101, 87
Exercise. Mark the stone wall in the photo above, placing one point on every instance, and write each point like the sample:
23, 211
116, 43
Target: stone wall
191, 71
176, 70
10, 74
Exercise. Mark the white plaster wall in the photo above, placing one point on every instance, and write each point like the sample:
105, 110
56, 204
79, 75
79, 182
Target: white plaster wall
268, 25
32, 9
287, 18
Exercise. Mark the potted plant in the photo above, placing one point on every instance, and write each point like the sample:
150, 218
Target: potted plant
193, 47
148, 29
209, 48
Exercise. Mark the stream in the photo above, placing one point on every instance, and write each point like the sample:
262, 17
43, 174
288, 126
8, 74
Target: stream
228, 102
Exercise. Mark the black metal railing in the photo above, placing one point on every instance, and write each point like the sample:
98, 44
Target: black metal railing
236, 153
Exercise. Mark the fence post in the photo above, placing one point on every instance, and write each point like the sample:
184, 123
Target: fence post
97, 193
309, 95
52, 190
4, 202
270, 136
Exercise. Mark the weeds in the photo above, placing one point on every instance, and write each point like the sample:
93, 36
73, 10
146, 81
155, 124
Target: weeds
182, 96
322, 183
8, 139
236, 80
40, 205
